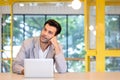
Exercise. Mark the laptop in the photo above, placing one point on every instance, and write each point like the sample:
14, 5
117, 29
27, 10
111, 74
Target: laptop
38, 68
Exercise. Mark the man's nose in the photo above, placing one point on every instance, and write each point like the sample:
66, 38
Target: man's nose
45, 33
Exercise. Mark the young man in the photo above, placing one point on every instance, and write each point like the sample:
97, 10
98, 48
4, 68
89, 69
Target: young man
45, 46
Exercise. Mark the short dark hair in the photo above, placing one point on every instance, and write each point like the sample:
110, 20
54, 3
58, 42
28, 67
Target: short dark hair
55, 24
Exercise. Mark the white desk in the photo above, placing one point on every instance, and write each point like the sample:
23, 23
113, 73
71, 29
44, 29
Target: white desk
67, 76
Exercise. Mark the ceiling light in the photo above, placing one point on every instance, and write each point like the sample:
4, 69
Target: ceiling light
76, 4
21, 4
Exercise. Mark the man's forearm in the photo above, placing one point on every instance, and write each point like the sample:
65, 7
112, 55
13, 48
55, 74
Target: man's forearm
61, 65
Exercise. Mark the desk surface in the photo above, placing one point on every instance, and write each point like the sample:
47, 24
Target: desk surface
67, 76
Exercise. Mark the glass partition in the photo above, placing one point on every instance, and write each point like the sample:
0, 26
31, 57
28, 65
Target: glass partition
112, 23
112, 36
112, 64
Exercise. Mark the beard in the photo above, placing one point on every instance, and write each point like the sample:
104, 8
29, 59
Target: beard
44, 39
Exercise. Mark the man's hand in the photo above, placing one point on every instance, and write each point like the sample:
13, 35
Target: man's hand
54, 41
56, 45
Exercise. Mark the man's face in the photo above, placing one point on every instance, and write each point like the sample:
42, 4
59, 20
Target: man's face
47, 33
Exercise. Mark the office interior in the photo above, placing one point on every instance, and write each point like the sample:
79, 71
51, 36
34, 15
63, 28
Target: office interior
90, 35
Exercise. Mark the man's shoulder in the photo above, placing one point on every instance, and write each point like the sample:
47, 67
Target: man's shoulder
31, 40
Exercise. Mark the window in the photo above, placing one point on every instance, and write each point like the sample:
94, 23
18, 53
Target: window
112, 32
26, 26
